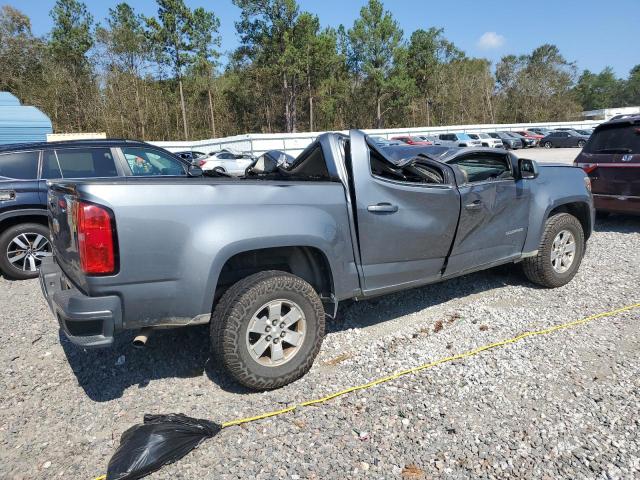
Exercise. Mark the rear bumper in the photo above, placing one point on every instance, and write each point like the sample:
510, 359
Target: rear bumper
617, 203
89, 322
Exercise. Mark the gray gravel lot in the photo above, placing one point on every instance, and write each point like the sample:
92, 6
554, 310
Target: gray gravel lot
549, 155
558, 406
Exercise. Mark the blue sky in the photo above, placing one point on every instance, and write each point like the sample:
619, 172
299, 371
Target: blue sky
593, 33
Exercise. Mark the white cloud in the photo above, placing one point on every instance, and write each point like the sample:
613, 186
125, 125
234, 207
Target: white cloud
490, 40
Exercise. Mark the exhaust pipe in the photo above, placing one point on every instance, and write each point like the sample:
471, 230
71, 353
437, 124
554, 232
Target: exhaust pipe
141, 339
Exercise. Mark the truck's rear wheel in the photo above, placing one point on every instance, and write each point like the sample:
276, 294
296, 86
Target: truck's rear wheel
559, 254
22, 248
267, 329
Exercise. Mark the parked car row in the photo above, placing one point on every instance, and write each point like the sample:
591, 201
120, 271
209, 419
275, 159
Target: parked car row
510, 140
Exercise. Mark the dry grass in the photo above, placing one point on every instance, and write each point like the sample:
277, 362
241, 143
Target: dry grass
339, 359
412, 471
438, 326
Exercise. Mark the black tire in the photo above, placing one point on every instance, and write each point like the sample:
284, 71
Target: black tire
8, 269
539, 269
547, 145
231, 318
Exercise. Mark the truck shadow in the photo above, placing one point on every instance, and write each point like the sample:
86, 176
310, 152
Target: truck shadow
185, 353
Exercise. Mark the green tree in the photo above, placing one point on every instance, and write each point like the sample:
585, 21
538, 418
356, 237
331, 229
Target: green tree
174, 31
20, 51
601, 90
428, 54
71, 74
632, 88
204, 42
267, 41
71, 36
376, 43
536, 87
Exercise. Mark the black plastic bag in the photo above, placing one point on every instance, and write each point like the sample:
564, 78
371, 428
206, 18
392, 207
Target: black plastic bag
160, 440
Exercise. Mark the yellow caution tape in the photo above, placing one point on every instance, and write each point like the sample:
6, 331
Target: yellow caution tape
426, 366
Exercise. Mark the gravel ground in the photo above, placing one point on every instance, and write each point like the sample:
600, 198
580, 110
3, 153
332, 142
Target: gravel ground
559, 406
550, 155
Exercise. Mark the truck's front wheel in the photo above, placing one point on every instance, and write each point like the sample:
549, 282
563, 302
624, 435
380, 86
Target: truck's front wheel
559, 254
267, 329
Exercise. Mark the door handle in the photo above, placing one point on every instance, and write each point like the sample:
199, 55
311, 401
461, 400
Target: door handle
383, 208
475, 205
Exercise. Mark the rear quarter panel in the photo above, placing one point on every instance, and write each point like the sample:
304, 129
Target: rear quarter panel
175, 238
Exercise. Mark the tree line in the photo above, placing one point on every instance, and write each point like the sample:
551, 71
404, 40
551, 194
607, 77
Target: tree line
160, 77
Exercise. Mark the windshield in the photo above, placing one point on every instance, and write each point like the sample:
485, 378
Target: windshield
619, 139
464, 136
484, 135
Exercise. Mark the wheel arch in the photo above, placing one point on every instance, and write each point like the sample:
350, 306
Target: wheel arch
308, 262
578, 209
16, 217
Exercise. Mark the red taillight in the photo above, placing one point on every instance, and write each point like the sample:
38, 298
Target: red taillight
95, 240
588, 168
201, 163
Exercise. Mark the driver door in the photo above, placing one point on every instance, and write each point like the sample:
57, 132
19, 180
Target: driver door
405, 228
494, 215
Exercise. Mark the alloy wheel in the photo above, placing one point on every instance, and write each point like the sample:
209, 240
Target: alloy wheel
26, 251
563, 251
276, 333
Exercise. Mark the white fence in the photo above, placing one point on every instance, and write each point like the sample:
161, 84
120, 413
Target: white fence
294, 143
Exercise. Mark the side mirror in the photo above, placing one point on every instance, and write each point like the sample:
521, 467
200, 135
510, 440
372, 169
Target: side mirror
195, 171
528, 168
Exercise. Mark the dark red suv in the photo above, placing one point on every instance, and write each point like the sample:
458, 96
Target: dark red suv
611, 158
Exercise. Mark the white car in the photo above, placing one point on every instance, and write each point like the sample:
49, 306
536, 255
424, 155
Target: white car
487, 140
231, 161
458, 140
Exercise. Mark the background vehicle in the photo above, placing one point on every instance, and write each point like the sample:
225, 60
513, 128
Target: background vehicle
487, 140
611, 158
564, 138
531, 135
458, 140
588, 132
230, 161
24, 171
430, 138
508, 141
540, 130
275, 251
412, 140
383, 142
527, 142
190, 155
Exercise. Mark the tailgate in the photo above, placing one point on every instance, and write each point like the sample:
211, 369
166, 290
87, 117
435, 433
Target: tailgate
61, 202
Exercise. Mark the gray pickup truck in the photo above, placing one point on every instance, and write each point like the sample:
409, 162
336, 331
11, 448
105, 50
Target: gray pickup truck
266, 257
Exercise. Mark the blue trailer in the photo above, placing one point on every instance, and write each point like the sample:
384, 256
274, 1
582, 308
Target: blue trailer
21, 124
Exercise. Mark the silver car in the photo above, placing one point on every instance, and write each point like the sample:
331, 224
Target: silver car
487, 140
458, 140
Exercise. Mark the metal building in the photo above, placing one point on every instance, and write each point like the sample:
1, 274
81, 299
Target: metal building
19, 123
